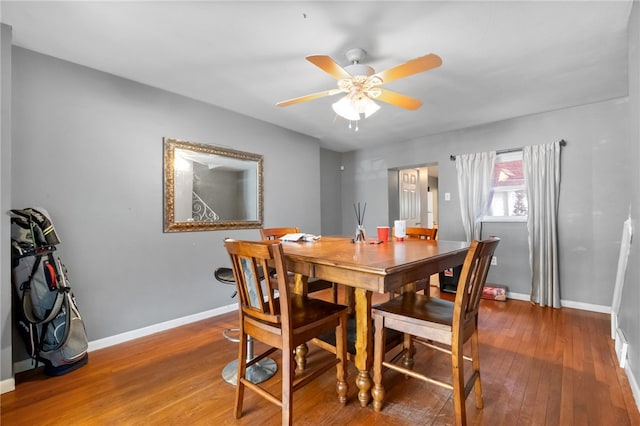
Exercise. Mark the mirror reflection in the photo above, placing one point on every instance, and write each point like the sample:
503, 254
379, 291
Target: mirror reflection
209, 187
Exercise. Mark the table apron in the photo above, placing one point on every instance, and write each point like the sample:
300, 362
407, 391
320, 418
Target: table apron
371, 280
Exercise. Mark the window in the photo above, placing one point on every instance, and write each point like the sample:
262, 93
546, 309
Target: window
508, 198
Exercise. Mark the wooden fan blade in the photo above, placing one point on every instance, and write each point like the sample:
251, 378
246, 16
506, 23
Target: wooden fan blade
328, 65
309, 97
398, 99
411, 67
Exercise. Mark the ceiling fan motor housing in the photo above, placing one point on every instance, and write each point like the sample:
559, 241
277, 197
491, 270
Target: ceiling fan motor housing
360, 69
355, 56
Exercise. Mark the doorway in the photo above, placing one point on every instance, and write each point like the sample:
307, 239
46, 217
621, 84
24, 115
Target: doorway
413, 195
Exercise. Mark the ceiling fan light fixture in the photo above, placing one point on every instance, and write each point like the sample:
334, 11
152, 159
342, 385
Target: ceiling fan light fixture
370, 108
364, 105
345, 109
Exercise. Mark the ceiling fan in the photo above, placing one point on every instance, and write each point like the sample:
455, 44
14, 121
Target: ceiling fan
362, 84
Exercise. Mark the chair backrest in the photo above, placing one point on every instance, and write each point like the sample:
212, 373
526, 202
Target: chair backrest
470, 284
421, 233
257, 300
275, 233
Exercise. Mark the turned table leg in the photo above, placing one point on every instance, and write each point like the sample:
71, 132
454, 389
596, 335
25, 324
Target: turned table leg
300, 287
364, 344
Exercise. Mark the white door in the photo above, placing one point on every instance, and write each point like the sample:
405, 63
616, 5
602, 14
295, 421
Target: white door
429, 209
410, 197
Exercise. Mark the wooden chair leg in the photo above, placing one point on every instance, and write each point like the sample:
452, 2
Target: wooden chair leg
457, 374
410, 351
287, 384
242, 370
475, 354
377, 392
341, 369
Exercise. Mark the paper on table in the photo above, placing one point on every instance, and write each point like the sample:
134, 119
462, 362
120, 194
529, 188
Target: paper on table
300, 237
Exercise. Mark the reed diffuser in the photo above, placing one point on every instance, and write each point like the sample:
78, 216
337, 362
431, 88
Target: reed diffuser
359, 237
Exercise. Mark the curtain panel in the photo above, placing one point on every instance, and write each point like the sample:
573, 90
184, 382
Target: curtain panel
541, 165
474, 186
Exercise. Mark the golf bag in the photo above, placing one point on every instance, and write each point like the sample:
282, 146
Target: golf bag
46, 313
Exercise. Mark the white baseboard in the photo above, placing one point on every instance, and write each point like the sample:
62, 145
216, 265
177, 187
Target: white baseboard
635, 389
7, 385
517, 296
586, 306
566, 303
167, 325
134, 334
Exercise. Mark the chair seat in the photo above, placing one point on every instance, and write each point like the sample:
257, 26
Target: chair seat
225, 275
309, 317
307, 310
419, 307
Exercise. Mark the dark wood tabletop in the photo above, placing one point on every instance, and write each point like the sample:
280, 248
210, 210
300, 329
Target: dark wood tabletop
376, 267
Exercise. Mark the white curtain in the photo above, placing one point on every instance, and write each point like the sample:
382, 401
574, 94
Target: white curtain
542, 181
474, 186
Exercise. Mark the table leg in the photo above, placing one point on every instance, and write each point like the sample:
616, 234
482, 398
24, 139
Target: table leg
300, 284
364, 344
300, 287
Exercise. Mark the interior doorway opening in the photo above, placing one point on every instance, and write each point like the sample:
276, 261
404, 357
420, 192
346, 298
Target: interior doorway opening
413, 195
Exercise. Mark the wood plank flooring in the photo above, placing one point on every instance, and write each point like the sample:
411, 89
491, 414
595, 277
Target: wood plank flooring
539, 367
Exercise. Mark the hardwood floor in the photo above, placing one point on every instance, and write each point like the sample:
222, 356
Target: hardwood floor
539, 367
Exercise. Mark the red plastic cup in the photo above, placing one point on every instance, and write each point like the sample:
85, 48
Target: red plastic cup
383, 233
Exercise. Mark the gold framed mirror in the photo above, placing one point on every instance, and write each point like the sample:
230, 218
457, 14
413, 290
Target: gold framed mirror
208, 187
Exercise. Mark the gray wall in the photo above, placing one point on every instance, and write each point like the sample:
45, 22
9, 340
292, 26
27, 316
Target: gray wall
330, 183
88, 147
593, 201
5, 200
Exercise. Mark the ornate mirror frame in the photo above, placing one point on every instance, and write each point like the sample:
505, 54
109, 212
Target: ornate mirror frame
209, 220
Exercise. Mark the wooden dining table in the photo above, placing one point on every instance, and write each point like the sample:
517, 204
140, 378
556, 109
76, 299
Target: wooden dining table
367, 268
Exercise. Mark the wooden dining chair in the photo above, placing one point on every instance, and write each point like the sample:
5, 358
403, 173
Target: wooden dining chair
420, 233
275, 233
441, 325
417, 232
313, 285
281, 322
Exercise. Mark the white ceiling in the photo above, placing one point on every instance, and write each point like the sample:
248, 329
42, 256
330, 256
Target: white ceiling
500, 59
